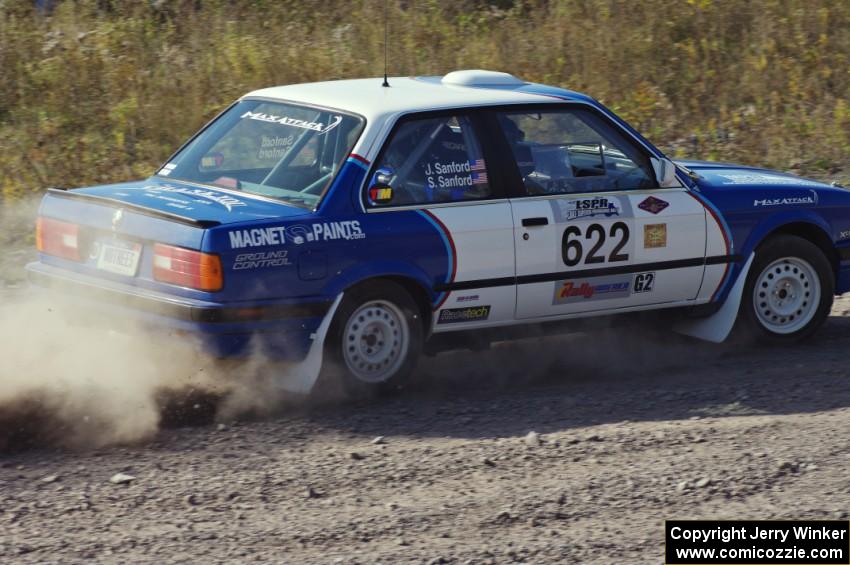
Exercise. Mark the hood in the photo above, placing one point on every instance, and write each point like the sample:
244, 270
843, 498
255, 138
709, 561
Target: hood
727, 176
197, 202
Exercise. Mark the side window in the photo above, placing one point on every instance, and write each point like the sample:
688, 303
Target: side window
569, 151
428, 161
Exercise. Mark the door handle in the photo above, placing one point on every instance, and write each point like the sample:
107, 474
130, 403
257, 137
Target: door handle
531, 222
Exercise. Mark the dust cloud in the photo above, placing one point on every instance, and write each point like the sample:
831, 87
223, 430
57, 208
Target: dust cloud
77, 374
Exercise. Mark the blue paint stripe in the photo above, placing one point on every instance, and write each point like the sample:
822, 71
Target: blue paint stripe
449, 254
720, 292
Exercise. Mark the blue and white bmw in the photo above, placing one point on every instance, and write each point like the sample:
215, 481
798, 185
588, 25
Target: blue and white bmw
356, 223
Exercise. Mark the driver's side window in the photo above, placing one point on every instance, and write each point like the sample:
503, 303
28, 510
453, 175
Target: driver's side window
565, 151
430, 160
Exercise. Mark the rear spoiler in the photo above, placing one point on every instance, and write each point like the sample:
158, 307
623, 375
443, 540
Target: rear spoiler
138, 208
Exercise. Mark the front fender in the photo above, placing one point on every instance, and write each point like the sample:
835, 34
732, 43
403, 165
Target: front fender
779, 220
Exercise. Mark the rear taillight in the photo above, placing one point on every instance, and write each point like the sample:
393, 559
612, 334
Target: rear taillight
184, 267
61, 239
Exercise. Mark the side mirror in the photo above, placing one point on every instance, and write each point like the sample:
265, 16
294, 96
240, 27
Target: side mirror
380, 191
665, 173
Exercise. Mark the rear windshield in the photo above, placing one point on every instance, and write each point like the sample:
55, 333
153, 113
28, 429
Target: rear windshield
274, 149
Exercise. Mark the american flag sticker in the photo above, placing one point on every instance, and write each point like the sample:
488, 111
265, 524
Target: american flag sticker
477, 165
479, 178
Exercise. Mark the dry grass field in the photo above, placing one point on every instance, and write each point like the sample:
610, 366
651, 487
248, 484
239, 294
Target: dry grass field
101, 90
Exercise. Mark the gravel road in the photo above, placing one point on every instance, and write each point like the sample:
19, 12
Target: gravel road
563, 450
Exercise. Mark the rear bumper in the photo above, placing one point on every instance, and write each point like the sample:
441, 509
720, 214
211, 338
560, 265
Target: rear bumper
280, 330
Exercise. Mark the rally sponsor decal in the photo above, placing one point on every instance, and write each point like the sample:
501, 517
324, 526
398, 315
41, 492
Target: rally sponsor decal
456, 174
326, 231
787, 201
257, 237
574, 209
468, 298
320, 127
261, 260
225, 200
470, 314
751, 178
653, 205
298, 234
602, 288
654, 236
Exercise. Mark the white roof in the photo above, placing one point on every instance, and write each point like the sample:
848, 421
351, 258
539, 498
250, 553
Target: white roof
407, 94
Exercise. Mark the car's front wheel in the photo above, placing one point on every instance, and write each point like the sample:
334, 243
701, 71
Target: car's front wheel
789, 290
375, 338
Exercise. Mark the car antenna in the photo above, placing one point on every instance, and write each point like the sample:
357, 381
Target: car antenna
386, 82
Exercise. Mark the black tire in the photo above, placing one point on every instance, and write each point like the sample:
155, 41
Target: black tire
381, 307
779, 312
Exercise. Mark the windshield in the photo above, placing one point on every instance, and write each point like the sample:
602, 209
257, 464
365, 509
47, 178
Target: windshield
273, 149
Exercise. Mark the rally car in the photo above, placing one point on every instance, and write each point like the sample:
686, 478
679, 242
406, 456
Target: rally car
349, 225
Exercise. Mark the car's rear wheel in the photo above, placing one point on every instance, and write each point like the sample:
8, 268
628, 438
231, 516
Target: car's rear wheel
789, 290
375, 339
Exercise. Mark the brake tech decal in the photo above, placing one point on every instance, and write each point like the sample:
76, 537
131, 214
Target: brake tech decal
451, 252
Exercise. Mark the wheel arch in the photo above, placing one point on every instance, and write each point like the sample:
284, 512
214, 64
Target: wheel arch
417, 291
811, 232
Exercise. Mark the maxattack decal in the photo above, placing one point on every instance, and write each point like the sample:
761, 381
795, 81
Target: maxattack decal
786, 201
262, 260
653, 205
601, 288
471, 314
292, 122
257, 237
654, 235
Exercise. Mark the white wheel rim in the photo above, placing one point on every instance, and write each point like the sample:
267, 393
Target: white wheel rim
375, 341
786, 295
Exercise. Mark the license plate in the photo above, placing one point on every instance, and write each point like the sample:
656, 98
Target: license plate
119, 257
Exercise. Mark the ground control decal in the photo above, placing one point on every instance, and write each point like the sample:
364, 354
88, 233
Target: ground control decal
457, 315
261, 260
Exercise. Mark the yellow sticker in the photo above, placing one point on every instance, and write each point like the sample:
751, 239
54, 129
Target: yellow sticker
654, 235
